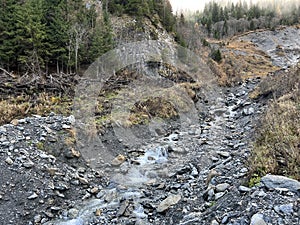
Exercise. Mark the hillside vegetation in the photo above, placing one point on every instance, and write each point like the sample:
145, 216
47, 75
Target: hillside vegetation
277, 146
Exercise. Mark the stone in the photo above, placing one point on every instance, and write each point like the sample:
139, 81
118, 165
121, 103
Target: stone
15, 122
72, 119
75, 153
28, 164
94, 190
83, 180
73, 213
98, 212
123, 207
37, 218
248, 111
168, 202
214, 159
224, 220
244, 189
33, 196
118, 160
61, 186
222, 187
65, 126
9, 161
286, 209
223, 154
214, 222
219, 195
275, 182
173, 137
257, 219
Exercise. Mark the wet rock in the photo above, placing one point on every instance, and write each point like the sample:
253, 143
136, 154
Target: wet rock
274, 182
168, 202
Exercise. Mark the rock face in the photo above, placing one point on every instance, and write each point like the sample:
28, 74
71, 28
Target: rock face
283, 47
277, 182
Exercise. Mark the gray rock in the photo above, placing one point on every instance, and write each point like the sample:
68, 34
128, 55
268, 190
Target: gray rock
275, 182
286, 209
168, 202
173, 137
9, 161
219, 195
28, 164
222, 187
223, 154
225, 219
65, 126
73, 213
248, 111
244, 189
257, 219
33, 196
37, 218
214, 222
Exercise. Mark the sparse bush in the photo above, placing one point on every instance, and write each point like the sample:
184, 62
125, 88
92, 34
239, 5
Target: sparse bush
216, 55
277, 146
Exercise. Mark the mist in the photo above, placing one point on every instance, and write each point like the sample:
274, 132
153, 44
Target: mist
190, 6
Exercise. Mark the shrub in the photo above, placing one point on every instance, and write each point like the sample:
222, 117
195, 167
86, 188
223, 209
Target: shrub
216, 55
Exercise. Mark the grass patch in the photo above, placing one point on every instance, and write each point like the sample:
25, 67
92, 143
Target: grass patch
16, 107
277, 146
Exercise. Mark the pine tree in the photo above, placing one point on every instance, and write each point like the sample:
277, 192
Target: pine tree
9, 45
31, 32
102, 39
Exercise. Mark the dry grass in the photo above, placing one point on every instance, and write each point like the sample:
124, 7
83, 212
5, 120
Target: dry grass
277, 147
243, 59
240, 60
22, 106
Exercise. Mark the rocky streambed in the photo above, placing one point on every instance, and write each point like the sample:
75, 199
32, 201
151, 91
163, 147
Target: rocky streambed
188, 175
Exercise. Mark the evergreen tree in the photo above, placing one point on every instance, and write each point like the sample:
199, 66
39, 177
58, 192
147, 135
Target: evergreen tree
31, 32
215, 13
102, 38
9, 46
